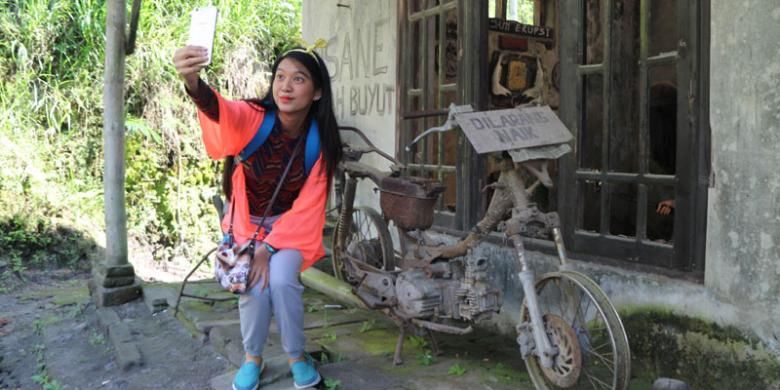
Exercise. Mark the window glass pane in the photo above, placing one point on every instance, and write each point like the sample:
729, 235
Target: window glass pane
660, 213
590, 206
420, 152
662, 119
663, 27
543, 197
624, 91
449, 142
429, 72
450, 67
492, 8
415, 103
416, 5
449, 197
447, 97
622, 209
415, 36
520, 10
592, 122
594, 37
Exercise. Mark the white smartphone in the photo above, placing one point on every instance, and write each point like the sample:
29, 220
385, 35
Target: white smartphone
202, 28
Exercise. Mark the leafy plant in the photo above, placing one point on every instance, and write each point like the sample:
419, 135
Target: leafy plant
367, 325
38, 326
456, 369
96, 338
332, 384
425, 358
418, 342
42, 376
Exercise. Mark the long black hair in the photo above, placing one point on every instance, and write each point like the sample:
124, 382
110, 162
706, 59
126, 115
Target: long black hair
321, 110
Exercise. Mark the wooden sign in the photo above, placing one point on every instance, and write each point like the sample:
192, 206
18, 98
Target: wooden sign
515, 128
517, 28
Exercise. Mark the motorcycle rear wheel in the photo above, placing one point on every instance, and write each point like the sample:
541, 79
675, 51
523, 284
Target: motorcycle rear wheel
368, 240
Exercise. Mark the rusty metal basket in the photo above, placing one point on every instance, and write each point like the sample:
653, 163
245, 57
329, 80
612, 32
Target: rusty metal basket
409, 201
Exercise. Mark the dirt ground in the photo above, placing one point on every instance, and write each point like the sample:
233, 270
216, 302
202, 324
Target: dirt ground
50, 338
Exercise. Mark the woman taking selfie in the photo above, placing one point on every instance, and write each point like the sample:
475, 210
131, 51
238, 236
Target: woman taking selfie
300, 149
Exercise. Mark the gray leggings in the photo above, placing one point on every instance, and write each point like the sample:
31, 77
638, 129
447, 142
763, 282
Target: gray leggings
283, 297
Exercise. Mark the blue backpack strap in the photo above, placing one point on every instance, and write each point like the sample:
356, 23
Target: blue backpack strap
312, 151
260, 136
312, 147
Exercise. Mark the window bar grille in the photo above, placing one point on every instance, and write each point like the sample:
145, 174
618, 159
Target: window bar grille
606, 19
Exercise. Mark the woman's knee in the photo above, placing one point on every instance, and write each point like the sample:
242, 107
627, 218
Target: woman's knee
285, 269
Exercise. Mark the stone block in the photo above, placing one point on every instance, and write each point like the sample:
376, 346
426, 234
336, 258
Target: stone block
276, 370
224, 381
669, 384
112, 296
102, 278
128, 355
118, 281
107, 317
116, 270
158, 297
206, 326
227, 341
119, 333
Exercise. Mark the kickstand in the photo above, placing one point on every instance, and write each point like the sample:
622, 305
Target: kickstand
398, 346
434, 345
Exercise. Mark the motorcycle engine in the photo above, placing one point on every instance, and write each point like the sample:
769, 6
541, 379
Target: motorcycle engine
418, 295
451, 290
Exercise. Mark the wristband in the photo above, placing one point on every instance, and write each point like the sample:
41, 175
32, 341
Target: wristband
269, 248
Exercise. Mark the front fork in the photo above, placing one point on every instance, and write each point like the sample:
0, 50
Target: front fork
543, 348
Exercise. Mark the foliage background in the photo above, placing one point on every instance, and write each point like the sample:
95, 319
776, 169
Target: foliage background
51, 146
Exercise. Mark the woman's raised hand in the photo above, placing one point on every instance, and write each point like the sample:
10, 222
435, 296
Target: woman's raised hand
259, 270
189, 60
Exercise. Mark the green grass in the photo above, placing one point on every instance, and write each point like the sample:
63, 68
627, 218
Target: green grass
51, 158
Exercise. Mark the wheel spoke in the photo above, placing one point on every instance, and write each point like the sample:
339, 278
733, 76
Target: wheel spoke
560, 304
601, 346
608, 363
578, 306
585, 320
598, 381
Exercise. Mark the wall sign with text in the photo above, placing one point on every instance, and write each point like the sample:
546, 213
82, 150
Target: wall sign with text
517, 28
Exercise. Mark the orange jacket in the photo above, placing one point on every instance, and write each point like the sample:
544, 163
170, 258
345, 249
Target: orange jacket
298, 228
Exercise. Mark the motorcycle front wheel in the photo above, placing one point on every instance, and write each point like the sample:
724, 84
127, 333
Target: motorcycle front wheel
579, 320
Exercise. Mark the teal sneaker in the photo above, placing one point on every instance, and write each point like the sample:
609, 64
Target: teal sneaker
248, 376
305, 374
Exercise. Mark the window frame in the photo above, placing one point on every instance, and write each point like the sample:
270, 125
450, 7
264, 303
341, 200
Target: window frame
470, 87
691, 177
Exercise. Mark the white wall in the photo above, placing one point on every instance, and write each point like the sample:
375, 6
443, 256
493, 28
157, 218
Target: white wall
361, 57
743, 230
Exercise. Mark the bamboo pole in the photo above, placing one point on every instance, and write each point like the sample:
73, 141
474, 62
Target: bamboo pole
330, 286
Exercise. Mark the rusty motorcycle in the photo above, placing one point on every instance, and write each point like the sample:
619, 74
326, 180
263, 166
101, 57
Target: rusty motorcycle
569, 333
